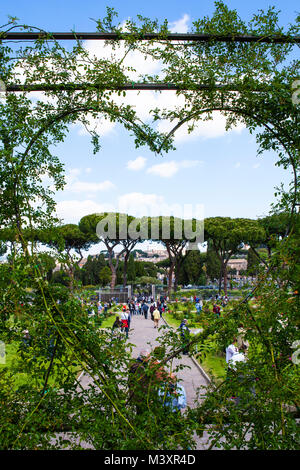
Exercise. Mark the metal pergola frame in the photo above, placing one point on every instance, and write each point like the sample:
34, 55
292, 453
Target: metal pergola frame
191, 37
138, 86
194, 37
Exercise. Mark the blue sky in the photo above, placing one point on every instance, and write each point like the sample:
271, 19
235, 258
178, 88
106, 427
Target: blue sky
217, 169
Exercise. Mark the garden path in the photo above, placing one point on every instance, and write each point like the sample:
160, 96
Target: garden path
143, 335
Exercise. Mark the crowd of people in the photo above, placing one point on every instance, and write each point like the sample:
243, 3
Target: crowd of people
146, 368
170, 389
219, 302
135, 306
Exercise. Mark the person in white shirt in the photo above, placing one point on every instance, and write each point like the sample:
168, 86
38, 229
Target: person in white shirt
231, 350
236, 358
243, 376
124, 320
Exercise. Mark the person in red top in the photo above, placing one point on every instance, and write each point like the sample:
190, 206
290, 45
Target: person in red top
124, 320
217, 309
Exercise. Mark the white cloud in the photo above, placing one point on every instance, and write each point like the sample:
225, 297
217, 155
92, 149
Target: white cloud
143, 101
85, 186
140, 63
164, 170
72, 175
137, 164
71, 211
100, 125
140, 204
189, 163
169, 169
74, 185
181, 25
152, 205
257, 165
237, 165
215, 127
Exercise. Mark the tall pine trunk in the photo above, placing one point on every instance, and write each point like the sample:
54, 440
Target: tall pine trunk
125, 270
225, 278
170, 279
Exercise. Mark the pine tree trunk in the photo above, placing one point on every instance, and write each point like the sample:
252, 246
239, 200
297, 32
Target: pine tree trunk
113, 270
125, 271
220, 280
113, 277
225, 278
170, 279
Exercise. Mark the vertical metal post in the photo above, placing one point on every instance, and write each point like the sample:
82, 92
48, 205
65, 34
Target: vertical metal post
153, 291
129, 291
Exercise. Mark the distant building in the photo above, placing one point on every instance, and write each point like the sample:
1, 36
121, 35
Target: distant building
154, 256
239, 264
82, 262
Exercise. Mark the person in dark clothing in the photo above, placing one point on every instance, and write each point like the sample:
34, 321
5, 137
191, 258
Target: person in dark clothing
145, 309
129, 317
117, 323
185, 335
152, 308
132, 308
117, 326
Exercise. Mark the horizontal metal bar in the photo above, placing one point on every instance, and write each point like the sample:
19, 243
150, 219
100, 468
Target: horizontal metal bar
125, 86
31, 35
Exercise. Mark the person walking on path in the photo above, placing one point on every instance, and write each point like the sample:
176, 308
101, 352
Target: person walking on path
185, 335
138, 380
151, 309
124, 320
156, 317
131, 308
145, 310
117, 327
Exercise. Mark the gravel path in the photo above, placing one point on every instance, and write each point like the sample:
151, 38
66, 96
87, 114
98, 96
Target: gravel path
143, 331
143, 335
192, 377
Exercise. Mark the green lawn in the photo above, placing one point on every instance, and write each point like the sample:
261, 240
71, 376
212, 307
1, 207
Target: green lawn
212, 364
109, 321
22, 378
171, 320
11, 356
